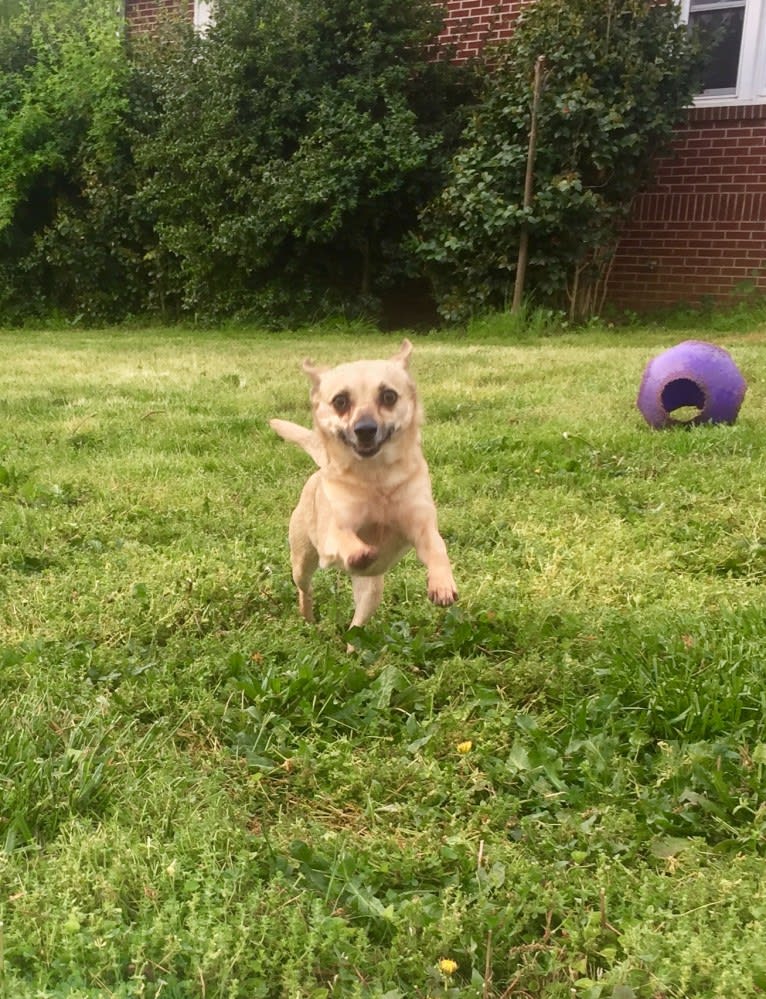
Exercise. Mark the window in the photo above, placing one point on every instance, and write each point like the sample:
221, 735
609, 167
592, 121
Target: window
735, 72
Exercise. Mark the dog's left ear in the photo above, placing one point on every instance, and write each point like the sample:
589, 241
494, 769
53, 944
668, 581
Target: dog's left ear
402, 356
313, 371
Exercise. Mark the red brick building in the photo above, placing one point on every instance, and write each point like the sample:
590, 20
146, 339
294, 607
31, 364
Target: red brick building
699, 233
143, 15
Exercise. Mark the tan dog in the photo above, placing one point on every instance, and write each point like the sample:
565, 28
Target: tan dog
371, 499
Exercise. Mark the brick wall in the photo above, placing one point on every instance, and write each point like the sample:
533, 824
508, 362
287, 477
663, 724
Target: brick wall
699, 232
470, 24
142, 15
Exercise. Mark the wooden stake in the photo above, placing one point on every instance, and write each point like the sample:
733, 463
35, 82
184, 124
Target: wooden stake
521, 263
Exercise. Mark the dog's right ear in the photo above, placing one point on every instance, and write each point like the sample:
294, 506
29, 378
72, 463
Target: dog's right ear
402, 356
313, 371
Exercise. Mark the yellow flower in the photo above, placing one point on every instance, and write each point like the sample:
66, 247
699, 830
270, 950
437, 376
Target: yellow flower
464, 747
447, 966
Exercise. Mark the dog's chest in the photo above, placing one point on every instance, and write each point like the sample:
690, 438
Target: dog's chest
376, 516
376, 519
367, 503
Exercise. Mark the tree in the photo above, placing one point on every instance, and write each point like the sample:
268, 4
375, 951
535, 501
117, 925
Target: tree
63, 151
270, 168
288, 151
618, 74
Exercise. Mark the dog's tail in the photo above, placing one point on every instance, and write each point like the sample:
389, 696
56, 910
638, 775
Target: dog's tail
303, 437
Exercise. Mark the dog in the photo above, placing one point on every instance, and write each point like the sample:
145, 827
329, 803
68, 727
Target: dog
370, 500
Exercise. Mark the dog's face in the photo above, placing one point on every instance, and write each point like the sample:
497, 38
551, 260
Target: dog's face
365, 405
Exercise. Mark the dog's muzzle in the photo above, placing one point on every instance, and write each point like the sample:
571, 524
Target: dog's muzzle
367, 436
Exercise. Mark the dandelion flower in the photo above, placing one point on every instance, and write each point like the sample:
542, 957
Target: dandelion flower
447, 966
464, 747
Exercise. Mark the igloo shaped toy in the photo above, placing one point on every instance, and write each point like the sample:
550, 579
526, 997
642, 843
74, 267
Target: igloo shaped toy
692, 374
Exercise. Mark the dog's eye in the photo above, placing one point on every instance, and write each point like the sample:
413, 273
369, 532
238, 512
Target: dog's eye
341, 403
388, 398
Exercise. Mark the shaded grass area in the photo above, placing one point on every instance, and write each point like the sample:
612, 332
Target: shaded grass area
557, 785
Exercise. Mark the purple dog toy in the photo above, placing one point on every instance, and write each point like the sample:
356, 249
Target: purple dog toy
691, 374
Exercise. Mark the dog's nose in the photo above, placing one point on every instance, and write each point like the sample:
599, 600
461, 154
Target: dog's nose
365, 429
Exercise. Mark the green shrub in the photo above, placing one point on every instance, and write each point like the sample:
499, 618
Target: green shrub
288, 151
274, 167
618, 73
271, 167
65, 232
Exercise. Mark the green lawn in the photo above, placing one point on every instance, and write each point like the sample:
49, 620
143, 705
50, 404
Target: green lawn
200, 796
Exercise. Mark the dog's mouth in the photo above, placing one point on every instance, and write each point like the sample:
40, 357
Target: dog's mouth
364, 442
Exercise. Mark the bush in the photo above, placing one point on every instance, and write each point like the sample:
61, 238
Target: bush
274, 167
618, 73
65, 231
289, 150
270, 168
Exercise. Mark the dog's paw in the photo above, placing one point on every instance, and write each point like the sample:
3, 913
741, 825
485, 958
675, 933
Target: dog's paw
362, 558
442, 594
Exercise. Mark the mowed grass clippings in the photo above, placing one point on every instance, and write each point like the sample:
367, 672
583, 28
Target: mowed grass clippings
554, 789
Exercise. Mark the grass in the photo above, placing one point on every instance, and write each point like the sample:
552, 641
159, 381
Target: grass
202, 797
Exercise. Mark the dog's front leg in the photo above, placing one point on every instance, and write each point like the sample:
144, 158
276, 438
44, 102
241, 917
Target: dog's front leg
431, 550
345, 548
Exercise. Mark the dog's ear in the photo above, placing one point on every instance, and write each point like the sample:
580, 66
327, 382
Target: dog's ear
402, 356
313, 371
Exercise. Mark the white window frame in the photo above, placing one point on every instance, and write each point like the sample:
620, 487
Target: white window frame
751, 75
203, 15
